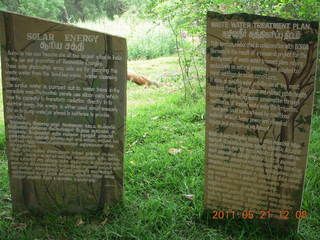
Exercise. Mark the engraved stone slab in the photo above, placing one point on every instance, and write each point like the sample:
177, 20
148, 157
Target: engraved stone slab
260, 87
64, 91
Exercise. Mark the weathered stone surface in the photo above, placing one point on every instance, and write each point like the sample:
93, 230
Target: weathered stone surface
260, 87
64, 91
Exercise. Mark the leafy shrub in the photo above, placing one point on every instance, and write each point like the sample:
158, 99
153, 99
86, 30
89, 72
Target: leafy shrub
150, 42
145, 39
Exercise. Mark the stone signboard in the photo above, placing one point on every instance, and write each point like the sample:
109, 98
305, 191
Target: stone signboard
260, 88
64, 92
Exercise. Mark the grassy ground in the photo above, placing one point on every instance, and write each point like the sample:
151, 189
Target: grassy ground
164, 177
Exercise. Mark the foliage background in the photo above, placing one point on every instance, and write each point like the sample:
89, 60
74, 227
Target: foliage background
189, 13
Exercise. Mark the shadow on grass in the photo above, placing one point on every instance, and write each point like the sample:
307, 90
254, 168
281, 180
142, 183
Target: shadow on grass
35, 225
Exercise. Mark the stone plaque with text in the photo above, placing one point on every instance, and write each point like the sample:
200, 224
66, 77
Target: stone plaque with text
260, 88
64, 92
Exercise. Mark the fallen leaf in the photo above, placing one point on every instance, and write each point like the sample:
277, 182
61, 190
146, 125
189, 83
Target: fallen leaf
7, 199
80, 222
174, 151
154, 118
188, 196
134, 143
104, 221
201, 116
190, 223
145, 134
133, 162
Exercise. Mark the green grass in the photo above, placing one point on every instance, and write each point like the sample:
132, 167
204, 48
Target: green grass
157, 69
154, 205
312, 184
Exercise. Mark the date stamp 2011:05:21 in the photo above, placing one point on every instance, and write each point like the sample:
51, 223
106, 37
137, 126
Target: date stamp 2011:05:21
261, 214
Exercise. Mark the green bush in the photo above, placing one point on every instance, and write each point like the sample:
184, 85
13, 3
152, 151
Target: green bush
145, 39
152, 43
